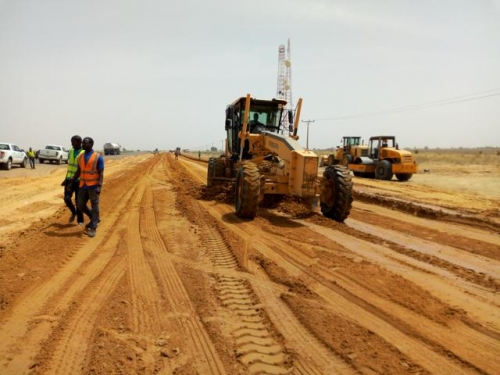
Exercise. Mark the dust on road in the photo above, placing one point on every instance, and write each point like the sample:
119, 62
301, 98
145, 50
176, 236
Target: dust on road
175, 283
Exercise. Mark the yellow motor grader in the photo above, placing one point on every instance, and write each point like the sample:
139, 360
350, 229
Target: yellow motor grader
263, 158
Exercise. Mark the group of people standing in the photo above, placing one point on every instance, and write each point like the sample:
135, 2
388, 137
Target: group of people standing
84, 179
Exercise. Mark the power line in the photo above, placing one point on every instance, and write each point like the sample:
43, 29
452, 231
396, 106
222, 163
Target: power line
436, 103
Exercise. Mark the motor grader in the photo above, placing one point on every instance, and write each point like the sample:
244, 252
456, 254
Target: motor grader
263, 159
383, 159
351, 147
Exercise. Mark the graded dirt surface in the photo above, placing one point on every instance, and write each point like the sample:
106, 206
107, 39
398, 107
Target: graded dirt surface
175, 283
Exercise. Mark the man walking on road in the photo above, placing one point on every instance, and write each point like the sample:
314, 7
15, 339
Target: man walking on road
90, 171
31, 157
76, 142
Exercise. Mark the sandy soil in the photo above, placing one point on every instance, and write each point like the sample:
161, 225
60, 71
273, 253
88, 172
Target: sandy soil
175, 283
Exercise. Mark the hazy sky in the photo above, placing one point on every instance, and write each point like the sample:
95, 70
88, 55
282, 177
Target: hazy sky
159, 74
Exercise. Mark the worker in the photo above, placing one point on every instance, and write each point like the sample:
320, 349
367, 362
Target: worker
31, 157
91, 174
76, 143
255, 125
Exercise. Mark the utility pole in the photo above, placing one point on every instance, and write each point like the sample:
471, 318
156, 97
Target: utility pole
307, 139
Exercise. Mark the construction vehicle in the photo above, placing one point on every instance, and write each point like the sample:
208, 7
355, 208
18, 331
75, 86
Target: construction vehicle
382, 159
112, 149
263, 159
345, 154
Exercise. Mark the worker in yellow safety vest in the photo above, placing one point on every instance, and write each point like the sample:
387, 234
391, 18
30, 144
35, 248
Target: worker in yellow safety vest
31, 157
76, 143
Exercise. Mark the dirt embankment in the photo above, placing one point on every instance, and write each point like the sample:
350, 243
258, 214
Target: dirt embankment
175, 283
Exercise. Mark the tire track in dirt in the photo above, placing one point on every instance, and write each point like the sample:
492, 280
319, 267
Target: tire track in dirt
52, 300
145, 309
91, 288
154, 314
420, 352
181, 312
314, 358
255, 342
444, 208
391, 218
437, 278
69, 355
310, 356
448, 335
456, 235
256, 348
354, 306
476, 268
57, 297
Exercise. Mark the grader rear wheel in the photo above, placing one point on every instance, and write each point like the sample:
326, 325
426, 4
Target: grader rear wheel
336, 194
247, 190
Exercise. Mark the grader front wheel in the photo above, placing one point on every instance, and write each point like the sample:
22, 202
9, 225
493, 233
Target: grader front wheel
336, 193
247, 190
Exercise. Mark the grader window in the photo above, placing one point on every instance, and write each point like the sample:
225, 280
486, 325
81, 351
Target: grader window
264, 118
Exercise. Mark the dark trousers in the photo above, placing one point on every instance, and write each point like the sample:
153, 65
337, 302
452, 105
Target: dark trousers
85, 195
68, 199
32, 162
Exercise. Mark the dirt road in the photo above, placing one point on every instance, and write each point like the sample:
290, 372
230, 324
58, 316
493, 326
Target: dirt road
175, 283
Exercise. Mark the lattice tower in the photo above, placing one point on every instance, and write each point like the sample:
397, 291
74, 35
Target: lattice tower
284, 85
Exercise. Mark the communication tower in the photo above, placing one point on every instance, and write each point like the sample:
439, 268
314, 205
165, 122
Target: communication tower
284, 86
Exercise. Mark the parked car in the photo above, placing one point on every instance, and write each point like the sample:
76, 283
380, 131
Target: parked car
10, 154
53, 153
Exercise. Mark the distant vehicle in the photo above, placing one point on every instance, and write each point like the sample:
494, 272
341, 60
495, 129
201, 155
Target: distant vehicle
345, 153
112, 148
382, 158
53, 153
11, 153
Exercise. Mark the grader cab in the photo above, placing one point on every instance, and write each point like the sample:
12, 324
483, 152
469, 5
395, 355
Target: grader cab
263, 157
